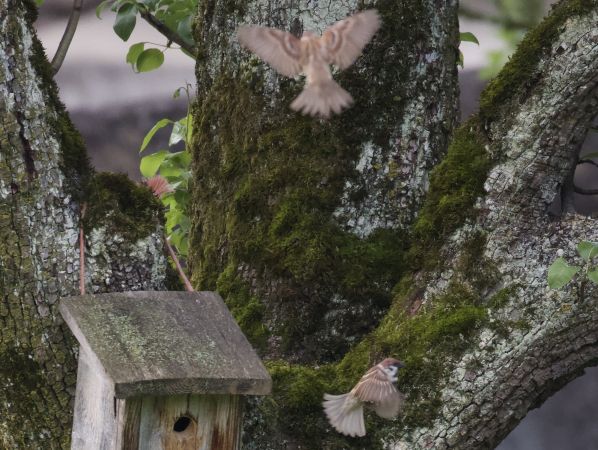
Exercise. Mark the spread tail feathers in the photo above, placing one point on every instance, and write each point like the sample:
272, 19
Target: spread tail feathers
345, 414
318, 99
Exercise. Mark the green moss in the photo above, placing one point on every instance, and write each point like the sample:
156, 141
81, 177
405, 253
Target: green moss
455, 184
269, 193
247, 310
37, 367
502, 297
75, 162
122, 206
268, 182
518, 76
267, 186
297, 399
427, 343
473, 268
34, 401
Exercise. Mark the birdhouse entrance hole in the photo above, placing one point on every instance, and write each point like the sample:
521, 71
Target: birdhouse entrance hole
181, 424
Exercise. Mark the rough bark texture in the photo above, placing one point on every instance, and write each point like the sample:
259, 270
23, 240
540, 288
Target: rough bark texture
537, 339
300, 223
483, 337
44, 176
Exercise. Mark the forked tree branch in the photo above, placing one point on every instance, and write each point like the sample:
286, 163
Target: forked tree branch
167, 32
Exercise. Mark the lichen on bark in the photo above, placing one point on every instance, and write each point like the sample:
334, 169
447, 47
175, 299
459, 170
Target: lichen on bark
483, 336
303, 220
44, 177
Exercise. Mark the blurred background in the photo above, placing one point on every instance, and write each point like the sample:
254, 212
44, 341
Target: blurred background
114, 107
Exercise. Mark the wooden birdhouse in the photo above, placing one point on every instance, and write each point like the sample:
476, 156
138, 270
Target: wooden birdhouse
160, 370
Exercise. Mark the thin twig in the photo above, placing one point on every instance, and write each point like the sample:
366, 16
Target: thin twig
179, 268
82, 251
167, 32
67, 37
587, 161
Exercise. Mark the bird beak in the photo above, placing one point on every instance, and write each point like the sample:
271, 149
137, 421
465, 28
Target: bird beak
400, 365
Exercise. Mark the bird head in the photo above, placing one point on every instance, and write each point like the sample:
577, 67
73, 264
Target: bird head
392, 366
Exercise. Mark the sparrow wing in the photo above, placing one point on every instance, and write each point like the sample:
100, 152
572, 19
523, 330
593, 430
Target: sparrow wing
374, 387
345, 40
390, 407
279, 49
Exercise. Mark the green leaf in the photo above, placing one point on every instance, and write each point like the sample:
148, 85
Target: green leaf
148, 137
182, 197
560, 273
125, 21
175, 238
184, 29
151, 4
179, 132
39, 2
589, 155
101, 7
151, 163
170, 170
150, 59
587, 250
468, 37
593, 275
460, 60
181, 160
134, 51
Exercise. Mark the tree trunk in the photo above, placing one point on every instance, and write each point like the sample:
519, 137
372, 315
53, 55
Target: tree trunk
300, 223
44, 178
303, 225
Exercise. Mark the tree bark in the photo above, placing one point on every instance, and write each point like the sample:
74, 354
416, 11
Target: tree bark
44, 178
277, 196
536, 339
299, 223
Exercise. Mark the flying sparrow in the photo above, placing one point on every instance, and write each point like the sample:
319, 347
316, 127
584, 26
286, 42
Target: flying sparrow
345, 412
340, 45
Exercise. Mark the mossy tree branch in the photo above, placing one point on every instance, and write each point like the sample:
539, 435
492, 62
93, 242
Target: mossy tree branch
483, 337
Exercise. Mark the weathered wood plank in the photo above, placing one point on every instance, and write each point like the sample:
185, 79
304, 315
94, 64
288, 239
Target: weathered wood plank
184, 422
167, 343
94, 426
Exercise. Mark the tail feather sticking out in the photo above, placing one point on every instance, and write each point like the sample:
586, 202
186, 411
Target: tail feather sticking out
319, 99
345, 414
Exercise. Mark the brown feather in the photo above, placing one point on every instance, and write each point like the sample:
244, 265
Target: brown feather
346, 39
374, 386
279, 49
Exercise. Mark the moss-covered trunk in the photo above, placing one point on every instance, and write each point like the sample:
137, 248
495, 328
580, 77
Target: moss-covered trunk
305, 227
300, 223
44, 177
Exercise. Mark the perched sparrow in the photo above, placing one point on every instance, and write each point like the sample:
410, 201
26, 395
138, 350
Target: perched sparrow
340, 45
345, 412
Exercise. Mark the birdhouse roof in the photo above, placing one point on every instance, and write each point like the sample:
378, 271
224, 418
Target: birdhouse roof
166, 343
